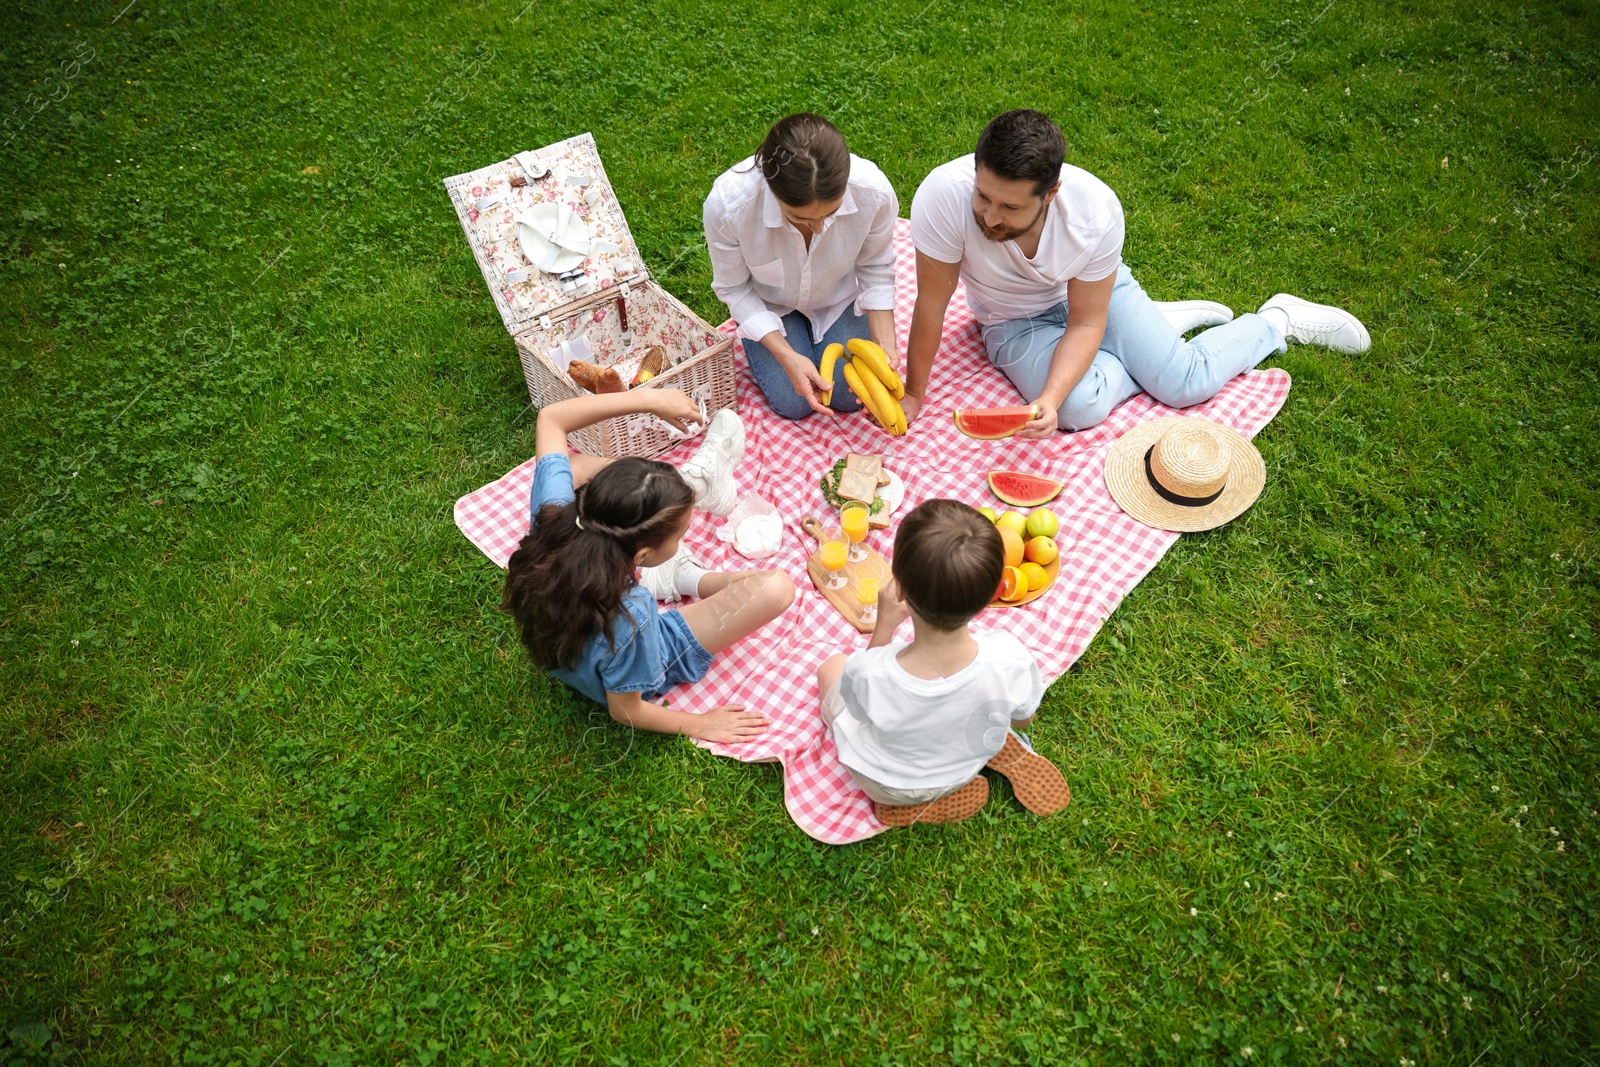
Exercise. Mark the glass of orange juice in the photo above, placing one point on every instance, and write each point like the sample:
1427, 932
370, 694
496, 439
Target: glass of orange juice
835, 552
853, 519
867, 597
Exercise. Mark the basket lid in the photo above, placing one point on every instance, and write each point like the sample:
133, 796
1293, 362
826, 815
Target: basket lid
547, 230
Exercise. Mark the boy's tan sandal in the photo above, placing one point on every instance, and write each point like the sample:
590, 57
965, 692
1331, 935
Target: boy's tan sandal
1039, 785
964, 803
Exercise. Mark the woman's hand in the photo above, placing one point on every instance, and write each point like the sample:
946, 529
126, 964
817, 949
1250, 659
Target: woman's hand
675, 407
728, 725
806, 379
880, 324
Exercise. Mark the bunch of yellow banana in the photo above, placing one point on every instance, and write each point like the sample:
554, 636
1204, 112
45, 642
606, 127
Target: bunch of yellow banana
870, 377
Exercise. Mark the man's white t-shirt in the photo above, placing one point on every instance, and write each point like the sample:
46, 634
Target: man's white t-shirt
907, 732
1082, 239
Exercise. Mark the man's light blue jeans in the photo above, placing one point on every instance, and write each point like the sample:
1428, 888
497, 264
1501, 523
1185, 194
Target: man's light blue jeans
774, 383
1141, 352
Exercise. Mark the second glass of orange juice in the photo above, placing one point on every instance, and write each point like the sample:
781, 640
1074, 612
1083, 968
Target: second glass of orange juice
853, 519
835, 551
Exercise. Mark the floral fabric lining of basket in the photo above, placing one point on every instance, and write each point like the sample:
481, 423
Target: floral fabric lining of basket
489, 206
653, 319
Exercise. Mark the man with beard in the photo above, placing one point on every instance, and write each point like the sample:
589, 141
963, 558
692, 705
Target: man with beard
1039, 244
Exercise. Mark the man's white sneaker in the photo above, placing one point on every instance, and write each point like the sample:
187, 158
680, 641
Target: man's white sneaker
1317, 324
1186, 315
663, 581
709, 471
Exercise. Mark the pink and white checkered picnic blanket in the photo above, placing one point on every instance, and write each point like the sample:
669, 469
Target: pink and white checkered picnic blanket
1104, 552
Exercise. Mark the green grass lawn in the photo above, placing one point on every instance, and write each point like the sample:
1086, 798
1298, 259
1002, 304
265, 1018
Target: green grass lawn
278, 786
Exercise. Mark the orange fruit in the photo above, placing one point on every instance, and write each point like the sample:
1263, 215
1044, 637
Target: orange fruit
1041, 550
1013, 545
1013, 585
1036, 576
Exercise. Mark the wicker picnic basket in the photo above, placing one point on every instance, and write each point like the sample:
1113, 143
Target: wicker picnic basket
593, 299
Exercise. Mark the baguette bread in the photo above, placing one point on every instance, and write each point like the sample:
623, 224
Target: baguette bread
594, 379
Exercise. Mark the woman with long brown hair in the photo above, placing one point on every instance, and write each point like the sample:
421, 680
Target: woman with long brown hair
571, 585
800, 236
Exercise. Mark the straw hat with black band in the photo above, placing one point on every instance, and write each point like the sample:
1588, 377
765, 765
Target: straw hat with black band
1184, 473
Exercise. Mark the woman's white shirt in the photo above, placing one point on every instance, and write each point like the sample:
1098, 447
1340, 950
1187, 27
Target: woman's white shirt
761, 268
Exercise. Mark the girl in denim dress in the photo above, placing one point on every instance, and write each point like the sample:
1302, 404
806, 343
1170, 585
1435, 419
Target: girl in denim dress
571, 585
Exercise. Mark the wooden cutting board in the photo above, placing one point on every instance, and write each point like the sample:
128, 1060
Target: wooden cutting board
844, 598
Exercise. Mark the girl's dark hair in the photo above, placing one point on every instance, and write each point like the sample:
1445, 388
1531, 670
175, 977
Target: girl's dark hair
1023, 144
947, 559
565, 582
804, 160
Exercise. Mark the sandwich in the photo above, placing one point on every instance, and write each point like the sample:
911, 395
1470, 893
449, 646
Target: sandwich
871, 466
854, 485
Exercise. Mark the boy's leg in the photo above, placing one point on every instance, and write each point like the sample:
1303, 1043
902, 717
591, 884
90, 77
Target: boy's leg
888, 794
951, 806
1174, 371
827, 677
1023, 348
1037, 783
734, 613
849, 325
769, 374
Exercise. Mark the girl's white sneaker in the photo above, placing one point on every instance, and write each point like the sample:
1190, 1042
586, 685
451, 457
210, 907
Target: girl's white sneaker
663, 581
709, 471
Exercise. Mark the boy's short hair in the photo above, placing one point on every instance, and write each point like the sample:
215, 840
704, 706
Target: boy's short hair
947, 559
1023, 144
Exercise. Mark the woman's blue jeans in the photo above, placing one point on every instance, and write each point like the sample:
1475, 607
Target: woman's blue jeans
774, 383
1141, 352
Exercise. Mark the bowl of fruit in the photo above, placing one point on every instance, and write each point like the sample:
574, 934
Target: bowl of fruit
1033, 555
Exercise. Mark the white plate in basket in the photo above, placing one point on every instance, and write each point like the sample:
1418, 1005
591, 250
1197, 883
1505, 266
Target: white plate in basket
553, 237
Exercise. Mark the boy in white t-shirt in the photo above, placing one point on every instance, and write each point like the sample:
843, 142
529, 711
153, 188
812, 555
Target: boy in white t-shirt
915, 723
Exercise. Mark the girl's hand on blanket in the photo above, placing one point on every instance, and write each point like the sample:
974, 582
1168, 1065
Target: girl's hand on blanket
675, 407
1043, 426
729, 725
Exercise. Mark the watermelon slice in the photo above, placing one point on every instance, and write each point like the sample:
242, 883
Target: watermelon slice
991, 424
1023, 490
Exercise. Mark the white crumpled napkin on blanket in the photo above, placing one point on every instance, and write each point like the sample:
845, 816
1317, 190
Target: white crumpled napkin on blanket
754, 528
